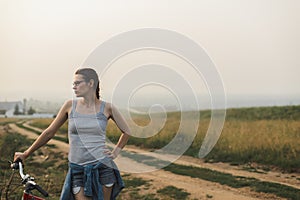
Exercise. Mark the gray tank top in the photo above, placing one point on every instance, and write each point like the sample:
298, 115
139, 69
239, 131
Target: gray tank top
87, 134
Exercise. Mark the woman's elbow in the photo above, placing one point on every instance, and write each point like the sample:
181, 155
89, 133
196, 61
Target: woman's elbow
49, 133
125, 136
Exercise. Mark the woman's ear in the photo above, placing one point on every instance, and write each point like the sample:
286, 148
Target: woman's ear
91, 83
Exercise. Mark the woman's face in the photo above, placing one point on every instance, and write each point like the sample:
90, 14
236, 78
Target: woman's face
80, 87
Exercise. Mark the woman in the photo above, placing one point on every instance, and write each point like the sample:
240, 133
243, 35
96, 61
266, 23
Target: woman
92, 173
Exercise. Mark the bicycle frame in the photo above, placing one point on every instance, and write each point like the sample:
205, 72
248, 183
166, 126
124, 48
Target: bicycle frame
27, 196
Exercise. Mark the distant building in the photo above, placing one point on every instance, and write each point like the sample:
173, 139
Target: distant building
7, 108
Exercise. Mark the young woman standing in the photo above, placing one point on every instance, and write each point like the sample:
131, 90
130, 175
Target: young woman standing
92, 172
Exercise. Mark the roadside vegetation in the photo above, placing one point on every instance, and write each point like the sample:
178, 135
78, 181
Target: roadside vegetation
46, 166
268, 136
5, 121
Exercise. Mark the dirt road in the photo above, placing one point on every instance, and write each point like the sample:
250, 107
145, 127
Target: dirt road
198, 188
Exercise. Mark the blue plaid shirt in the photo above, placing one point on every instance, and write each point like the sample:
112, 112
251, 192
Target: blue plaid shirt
92, 185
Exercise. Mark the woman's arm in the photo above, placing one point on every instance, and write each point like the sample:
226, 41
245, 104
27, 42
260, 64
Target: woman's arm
116, 116
48, 133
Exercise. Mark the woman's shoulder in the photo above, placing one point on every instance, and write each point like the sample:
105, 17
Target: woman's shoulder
108, 105
67, 104
110, 108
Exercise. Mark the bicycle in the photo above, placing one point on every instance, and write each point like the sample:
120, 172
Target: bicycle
27, 181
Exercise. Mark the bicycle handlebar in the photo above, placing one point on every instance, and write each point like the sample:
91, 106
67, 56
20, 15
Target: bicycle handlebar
27, 179
41, 190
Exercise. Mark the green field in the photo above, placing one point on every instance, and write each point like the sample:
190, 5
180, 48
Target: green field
268, 136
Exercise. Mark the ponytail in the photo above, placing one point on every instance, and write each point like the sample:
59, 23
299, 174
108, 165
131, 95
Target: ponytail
98, 91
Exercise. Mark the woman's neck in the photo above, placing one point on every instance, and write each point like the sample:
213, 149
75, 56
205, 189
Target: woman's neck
89, 101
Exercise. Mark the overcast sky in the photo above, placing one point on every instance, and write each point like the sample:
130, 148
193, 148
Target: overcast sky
255, 44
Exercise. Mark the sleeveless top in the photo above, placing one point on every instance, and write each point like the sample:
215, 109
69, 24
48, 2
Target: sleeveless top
87, 135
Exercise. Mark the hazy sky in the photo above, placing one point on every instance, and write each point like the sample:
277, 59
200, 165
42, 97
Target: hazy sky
255, 44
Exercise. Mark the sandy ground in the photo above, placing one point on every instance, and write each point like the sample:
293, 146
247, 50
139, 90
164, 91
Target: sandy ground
60, 145
289, 179
198, 188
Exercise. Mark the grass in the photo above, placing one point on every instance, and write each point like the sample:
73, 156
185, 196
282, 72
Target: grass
10, 143
267, 142
254, 169
138, 188
174, 192
267, 113
49, 174
135, 188
134, 182
268, 136
5, 121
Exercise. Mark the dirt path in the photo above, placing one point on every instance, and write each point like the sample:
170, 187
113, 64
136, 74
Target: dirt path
198, 188
290, 179
201, 189
60, 145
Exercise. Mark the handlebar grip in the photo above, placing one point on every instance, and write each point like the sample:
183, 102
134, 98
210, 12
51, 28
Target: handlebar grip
41, 190
15, 165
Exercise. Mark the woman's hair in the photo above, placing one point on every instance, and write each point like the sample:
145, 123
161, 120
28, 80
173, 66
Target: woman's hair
88, 74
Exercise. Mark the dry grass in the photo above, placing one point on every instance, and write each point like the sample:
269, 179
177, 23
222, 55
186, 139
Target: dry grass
272, 142
265, 141
269, 142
